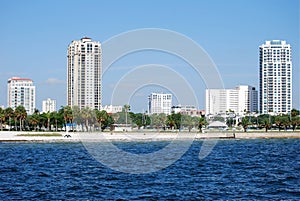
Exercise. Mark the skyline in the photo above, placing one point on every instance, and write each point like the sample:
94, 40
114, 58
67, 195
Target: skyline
35, 40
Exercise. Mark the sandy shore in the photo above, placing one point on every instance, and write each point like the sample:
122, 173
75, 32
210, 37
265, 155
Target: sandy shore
6, 136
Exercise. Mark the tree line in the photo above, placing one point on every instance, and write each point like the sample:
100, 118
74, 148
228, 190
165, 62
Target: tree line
92, 119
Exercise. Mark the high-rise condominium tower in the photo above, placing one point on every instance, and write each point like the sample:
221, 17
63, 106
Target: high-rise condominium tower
21, 92
275, 77
84, 74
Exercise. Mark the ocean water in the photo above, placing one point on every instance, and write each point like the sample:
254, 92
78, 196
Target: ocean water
260, 169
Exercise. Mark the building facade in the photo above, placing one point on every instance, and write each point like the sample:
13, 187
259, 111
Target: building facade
248, 98
275, 77
84, 74
189, 110
242, 99
21, 92
112, 109
160, 103
48, 105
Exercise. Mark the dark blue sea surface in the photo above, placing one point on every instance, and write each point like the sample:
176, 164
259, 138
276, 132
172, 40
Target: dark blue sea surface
260, 169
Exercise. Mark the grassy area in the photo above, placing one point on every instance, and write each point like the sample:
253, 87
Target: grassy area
41, 135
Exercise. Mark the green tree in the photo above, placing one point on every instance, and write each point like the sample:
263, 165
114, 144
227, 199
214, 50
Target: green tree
295, 122
266, 124
9, 113
57, 119
294, 112
87, 115
102, 118
126, 109
174, 120
187, 121
2, 118
202, 122
21, 115
139, 119
34, 120
158, 120
48, 116
279, 122
245, 123
68, 115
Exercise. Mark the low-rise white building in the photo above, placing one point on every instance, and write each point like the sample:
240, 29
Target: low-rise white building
111, 109
160, 103
242, 99
188, 110
48, 105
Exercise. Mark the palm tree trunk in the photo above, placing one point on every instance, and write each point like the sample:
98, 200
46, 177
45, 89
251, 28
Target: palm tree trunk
9, 122
20, 124
48, 124
56, 125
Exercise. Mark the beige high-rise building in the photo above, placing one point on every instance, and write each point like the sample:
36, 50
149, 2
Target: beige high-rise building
21, 92
84, 74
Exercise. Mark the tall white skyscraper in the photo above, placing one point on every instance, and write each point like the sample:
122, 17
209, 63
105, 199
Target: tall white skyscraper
275, 77
84, 74
160, 103
21, 91
243, 98
48, 105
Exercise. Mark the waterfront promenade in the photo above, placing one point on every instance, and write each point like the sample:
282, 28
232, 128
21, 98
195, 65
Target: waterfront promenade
12, 136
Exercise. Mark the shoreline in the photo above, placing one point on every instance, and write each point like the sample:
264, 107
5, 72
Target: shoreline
16, 136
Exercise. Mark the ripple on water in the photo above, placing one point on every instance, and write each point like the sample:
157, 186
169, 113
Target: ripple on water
264, 169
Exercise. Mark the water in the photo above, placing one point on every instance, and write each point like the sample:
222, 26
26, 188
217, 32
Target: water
262, 169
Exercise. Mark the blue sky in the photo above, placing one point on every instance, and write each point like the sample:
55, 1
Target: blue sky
35, 34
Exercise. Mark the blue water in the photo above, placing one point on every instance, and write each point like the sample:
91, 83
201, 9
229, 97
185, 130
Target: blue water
262, 169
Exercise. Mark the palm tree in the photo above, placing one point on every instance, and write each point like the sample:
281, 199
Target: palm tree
48, 116
21, 114
187, 120
101, 117
202, 122
87, 115
68, 115
295, 122
9, 113
126, 109
245, 123
34, 120
57, 117
266, 124
2, 118
278, 121
171, 121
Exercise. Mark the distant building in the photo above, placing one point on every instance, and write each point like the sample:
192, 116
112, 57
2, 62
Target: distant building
21, 92
248, 98
48, 105
111, 109
187, 110
275, 77
160, 103
242, 99
84, 74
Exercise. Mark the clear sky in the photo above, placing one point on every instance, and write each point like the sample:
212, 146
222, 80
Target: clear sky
34, 37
